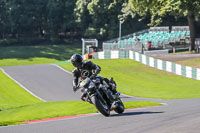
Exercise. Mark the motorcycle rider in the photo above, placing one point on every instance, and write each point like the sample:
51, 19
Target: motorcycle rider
84, 69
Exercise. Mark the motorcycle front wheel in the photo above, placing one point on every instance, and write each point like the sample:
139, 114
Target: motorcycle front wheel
100, 106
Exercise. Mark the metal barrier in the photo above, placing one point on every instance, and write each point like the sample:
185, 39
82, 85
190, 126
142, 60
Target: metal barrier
180, 28
128, 36
124, 45
159, 37
162, 28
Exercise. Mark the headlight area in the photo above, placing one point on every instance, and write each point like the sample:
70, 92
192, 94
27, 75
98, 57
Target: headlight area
91, 85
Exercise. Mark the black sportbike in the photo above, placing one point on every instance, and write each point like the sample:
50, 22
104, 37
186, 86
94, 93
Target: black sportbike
102, 98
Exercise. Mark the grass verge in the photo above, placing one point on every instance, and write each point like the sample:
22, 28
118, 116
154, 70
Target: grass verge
12, 95
17, 105
29, 55
56, 109
136, 79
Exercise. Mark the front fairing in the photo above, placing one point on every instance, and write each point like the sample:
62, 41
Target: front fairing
85, 83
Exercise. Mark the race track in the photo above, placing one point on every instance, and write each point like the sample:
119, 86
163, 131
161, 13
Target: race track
53, 84
45, 81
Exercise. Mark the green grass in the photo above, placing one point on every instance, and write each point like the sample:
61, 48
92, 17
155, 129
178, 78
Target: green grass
29, 55
56, 109
30, 61
136, 79
17, 105
12, 95
132, 78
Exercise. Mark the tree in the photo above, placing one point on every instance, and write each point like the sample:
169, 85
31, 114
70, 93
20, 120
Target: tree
3, 18
25, 17
55, 17
99, 18
82, 16
69, 24
160, 8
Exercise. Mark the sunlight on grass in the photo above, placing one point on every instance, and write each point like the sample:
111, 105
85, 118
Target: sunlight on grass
136, 79
56, 109
29, 55
12, 95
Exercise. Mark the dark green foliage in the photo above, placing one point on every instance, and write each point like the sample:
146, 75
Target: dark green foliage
23, 21
190, 9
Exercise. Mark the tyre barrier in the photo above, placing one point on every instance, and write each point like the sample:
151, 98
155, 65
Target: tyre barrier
186, 71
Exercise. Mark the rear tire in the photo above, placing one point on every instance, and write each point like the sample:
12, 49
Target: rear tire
120, 107
103, 109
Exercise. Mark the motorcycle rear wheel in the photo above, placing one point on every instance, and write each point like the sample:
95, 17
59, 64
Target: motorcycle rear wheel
120, 108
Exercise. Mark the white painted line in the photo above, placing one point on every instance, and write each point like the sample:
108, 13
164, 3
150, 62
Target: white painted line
22, 85
127, 95
61, 68
165, 104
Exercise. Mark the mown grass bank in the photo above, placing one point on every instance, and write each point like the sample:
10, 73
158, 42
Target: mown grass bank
136, 79
12, 95
29, 55
17, 105
56, 109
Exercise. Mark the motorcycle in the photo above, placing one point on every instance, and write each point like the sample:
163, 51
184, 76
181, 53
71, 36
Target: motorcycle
100, 96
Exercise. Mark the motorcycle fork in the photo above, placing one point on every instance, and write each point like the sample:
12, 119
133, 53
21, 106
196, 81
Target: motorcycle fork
108, 97
100, 97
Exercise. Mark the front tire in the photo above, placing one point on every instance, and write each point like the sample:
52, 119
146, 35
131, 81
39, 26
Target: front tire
102, 108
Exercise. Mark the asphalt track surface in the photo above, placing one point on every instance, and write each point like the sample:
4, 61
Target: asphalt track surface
45, 81
53, 84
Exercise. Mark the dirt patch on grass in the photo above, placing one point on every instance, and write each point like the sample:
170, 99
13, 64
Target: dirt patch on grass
186, 59
176, 57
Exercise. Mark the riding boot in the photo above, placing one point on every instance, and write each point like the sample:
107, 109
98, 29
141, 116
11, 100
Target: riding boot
83, 95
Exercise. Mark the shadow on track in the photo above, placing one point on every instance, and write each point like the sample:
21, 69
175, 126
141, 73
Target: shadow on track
135, 113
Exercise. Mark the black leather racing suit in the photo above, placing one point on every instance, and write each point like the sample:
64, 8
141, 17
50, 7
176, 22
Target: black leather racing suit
87, 69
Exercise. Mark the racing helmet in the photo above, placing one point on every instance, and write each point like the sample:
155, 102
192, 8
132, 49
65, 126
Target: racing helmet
77, 60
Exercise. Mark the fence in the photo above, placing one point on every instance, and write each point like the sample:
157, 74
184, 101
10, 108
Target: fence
128, 36
177, 69
159, 37
123, 45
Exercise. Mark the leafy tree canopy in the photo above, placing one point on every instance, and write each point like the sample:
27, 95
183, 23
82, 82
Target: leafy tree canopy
160, 8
